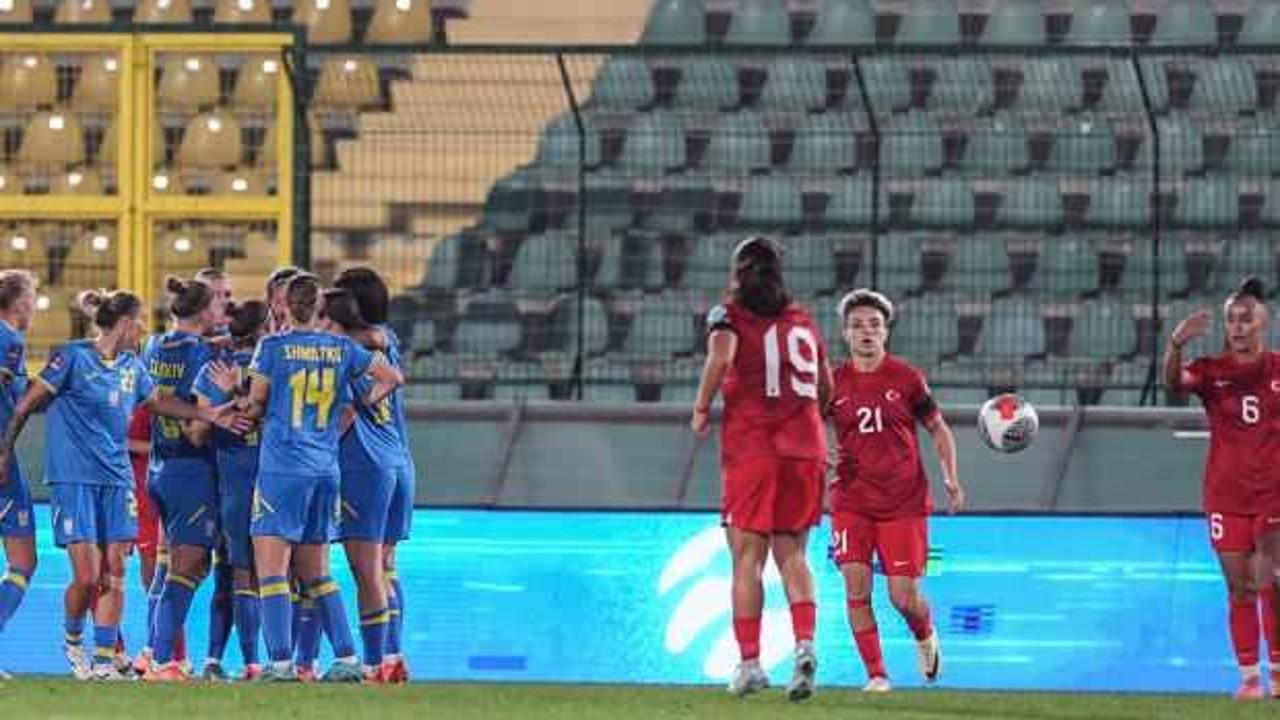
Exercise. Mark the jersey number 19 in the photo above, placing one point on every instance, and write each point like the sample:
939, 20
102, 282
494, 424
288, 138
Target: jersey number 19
804, 364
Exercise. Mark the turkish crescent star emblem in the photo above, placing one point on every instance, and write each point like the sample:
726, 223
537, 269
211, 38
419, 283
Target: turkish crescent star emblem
891, 395
1275, 386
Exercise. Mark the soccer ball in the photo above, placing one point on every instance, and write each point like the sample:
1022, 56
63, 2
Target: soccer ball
1007, 423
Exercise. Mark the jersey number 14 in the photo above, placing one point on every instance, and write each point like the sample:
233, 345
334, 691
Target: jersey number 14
314, 387
802, 357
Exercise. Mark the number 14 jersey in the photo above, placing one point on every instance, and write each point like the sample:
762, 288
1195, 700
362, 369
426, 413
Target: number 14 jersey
771, 390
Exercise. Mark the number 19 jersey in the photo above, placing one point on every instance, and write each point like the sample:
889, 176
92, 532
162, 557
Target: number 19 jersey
771, 390
309, 373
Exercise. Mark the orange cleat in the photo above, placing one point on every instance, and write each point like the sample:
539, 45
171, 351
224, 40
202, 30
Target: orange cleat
397, 671
167, 673
142, 662
251, 673
377, 676
307, 674
1250, 689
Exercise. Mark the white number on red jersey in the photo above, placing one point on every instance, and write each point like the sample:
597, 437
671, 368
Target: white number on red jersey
804, 368
1249, 410
870, 420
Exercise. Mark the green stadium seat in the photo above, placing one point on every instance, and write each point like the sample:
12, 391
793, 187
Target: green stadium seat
520, 388
456, 262
1138, 267
682, 198
1225, 85
962, 86
851, 203
979, 263
1103, 329
739, 146
1034, 202
1254, 151
559, 154
824, 146
773, 201
511, 201
899, 270
654, 145
929, 22
945, 202
595, 326
1251, 255
1013, 328
437, 367
830, 325
1087, 148
1261, 27
706, 84
546, 263
676, 22
760, 22
844, 22
1014, 22
624, 83
1122, 92
809, 264
424, 337
628, 264
1117, 202
707, 268
888, 84
608, 379
911, 146
926, 328
1208, 201
1100, 22
1186, 22
794, 84
1066, 267
1051, 86
1271, 205
487, 331
662, 327
996, 149
1181, 147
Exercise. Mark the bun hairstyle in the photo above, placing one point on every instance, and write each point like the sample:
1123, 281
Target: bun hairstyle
302, 295
866, 297
1251, 287
248, 320
210, 275
13, 285
281, 277
370, 293
187, 298
757, 275
107, 307
341, 307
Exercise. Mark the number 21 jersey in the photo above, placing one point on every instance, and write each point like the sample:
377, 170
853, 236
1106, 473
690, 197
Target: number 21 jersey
771, 390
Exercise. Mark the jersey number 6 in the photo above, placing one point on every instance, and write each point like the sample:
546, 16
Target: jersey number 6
804, 367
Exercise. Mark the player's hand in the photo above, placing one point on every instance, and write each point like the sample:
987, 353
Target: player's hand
1196, 324
229, 418
955, 497
225, 375
700, 423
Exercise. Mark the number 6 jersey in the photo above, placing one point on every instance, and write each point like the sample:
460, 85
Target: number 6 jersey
771, 390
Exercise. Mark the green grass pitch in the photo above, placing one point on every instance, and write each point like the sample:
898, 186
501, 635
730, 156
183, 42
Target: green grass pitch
48, 698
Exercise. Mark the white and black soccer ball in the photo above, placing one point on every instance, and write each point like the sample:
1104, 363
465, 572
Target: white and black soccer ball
1007, 423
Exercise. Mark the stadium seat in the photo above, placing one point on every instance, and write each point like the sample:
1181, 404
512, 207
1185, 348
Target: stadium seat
851, 203
962, 86
979, 264
1066, 267
844, 22
399, 22
328, 22
824, 146
794, 84
654, 145
676, 22
925, 329
1013, 328
98, 85
162, 12
1261, 27
707, 84
809, 264
347, 84
626, 264
545, 263
911, 146
77, 181
510, 202
454, 265
1014, 22
739, 146
167, 181
1087, 148
559, 153
489, 327
1116, 202
624, 83
1103, 329
1251, 255
1034, 202
1099, 22
1051, 86
255, 88
760, 22
16, 12
771, 201
240, 181
1181, 147
28, 81
1210, 201
10, 182
1225, 85
707, 267
944, 202
1254, 151
1139, 271
83, 12
211, 141
595, 326
1271, 205
188, 82
608, 379
663, 326
888, 84
242, 12
997, 149
1122, 91
1186, 22
52, 140
929, 22
899, 264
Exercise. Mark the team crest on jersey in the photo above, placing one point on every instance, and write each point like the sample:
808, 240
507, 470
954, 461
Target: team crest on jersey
1275, 386
127, 381
892, 395
58, 361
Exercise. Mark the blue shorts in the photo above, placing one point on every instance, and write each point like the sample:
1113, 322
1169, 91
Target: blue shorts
366, 500
184, 492
298, 508
235, 511
98, 514
15, 505
400, 514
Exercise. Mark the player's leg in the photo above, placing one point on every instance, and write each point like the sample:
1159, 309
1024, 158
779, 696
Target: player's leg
110, 606
18, 532
904, 551
788, 551
1266, 576
362, 527
220, 616
1233, 541
748, 550
188, 564
853, 543
86, 561
276, 525
307, 630
314, 571
234, 517
392, 655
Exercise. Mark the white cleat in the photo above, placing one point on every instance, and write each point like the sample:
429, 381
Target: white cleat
877, 685
4, 676
748, 678
79, 663
108, 672
803, 678
929, 653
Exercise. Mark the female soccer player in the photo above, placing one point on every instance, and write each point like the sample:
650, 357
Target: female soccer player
880, 501
373, 299
1240, 390
768, 354
17, 306
237, 459
299, 381
92, 387
182, 483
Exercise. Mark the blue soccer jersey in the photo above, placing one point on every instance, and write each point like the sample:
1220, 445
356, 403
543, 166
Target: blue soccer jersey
13, 375
310, 374
377, 439
89, 416
173, 360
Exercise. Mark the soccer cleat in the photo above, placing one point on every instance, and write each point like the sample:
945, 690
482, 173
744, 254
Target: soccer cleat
167, 673
398, 671
929, 653
79, 663
124, 665
1250, 688
5, 676
251, 673
342, 671
803, 682
307, 674
748, 678
278, 674
108, 673
878, 684
213, 672
377, 675
142, 662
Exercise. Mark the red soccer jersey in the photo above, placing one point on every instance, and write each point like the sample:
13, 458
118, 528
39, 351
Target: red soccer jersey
1242, 402
880, 473
140, 429
771, 390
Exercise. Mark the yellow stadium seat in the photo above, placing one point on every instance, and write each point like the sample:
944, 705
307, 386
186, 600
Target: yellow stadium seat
328, 22
82, 12
52, 140
167, 181
399, 22
240, 181
267, 154
256, 84
28, 81
181, 248
15, 12
99, 84
188, 82
242, 12
347, 84
20, 245
162, 12
211, 141
77, 181
10, 183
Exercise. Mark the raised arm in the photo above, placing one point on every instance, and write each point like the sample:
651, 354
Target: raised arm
1175, 372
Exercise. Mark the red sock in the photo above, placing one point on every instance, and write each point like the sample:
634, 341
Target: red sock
868, 642
803, 618
180, 646
920, 622
747, 631
1243, 618
1266, 608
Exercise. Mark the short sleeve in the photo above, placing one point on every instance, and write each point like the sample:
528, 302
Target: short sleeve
143, 385
923, 406
206, 388
718, 319
57, 374
262, 364
360, 360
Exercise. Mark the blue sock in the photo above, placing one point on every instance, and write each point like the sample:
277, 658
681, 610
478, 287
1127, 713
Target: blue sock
276, 617
104, 644
220, 619
373, 633
12, 588
308, 641
248, 624
333, 616
396, 603
171, 614
74, 629
154, 592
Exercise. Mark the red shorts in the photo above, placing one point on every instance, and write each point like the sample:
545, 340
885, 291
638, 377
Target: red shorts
1239, 533
770, 494
148, 521
902, 543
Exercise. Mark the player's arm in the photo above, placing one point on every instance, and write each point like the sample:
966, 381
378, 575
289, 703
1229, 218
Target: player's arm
722, 345
36, 397
254, 406
224, 416
944, 443
386, 378
213, 387
1176, 374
